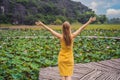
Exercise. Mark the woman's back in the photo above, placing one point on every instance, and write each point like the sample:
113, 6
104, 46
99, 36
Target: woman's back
65, 47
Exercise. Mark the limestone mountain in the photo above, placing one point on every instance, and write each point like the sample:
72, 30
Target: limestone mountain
28, 11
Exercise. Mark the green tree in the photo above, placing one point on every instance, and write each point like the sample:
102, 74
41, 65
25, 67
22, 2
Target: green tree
114, 21
62, 18
102, 19
83, 18
30, 20
5, 18
57, 21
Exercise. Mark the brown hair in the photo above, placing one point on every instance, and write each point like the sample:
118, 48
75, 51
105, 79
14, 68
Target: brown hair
67, 33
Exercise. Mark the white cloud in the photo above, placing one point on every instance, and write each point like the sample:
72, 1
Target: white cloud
93, 6
113, 13
109, 7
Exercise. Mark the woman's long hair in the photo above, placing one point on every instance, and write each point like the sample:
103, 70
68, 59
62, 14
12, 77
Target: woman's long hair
67, 33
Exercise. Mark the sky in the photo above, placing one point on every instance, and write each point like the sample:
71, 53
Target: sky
111, 8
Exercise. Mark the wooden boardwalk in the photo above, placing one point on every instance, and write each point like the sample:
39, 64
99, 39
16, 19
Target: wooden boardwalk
103, 70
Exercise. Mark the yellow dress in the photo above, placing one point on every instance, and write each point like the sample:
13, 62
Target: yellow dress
66, 59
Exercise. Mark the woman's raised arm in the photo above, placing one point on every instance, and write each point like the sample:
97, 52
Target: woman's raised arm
82, 27
58, 35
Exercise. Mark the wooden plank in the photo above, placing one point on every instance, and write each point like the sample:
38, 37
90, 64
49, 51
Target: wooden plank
117, 60
96, 75
100, 76
92, 75
78, 73
94, 65
104, 70
51, 74
114, 63
118, 78
111, 64
103, 76
81, 69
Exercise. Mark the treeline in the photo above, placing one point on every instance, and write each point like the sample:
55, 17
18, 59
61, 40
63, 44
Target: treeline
48, 11
114, 21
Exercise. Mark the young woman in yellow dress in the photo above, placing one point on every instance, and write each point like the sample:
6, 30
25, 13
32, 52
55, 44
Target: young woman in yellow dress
65, 58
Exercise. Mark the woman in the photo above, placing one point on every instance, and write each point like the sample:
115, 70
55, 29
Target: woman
65, 58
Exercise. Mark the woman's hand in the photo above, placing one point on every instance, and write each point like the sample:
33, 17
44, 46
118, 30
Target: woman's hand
92, 19
39, 23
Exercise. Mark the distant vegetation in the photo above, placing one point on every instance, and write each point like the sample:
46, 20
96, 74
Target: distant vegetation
114, 21
48, 11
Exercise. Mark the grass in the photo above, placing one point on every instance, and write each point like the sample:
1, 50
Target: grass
91, 26
5, 25
74, 26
